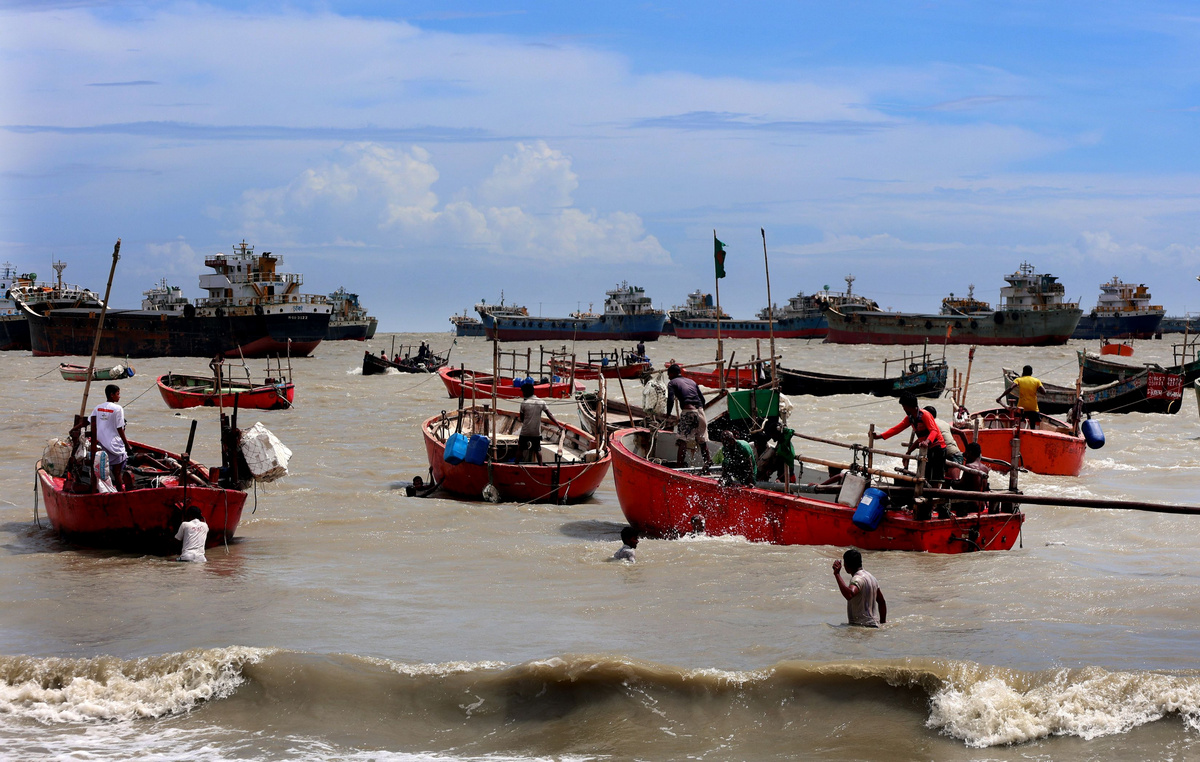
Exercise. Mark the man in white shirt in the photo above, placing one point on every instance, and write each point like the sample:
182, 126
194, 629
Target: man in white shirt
108, 433
862, 593
194, 533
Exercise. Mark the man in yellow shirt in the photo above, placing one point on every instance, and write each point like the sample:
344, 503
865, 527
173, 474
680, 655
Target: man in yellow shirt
1027, 388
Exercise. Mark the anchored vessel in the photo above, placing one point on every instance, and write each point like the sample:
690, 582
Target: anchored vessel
14, 325
465, 325
628, 316
251, 309
349, 319
1123, 312
1032, 313
801, 318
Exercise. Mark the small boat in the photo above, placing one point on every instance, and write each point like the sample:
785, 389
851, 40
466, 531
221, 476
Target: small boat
1122, 350
146, 518
1145, 392
1100, 370
80, 372
666, 502
181, 391
927, 379
472, 385
409, 360
1054, 448
573, 467
738, 378
616, 364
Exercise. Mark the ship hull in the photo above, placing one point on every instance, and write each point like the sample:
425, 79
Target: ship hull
1118, 327
14, 333
347, 330
602, 328
147, 333
814, 327
1001, 328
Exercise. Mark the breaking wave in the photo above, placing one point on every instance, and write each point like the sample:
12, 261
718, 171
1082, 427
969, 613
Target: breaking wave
485, 708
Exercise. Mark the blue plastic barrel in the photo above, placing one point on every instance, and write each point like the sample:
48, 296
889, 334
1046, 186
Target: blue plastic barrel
529, 380
1093, 434
518, 381
870, 509
456, 449
477, 450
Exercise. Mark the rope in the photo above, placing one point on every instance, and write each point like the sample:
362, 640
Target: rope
35, 495
135, 399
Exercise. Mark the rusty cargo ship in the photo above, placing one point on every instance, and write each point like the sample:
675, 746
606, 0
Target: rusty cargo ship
1032, 313
251, 309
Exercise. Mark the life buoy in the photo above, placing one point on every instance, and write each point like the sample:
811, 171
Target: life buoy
258, 310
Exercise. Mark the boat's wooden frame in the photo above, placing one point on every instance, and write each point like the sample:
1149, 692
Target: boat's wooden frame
1053, 448
1135, 394
471, 385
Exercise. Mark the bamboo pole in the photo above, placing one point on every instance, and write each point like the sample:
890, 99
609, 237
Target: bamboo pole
99, 329
847, 466
770, 309
836, 443
1065, 502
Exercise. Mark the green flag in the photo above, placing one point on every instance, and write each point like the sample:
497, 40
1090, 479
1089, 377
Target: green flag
719, 256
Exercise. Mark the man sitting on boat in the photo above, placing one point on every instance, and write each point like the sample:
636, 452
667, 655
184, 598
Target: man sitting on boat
737, 464
531, 423
108, 433
774, 453
973, 477
953, 454
1028, 388
927, 431
692, 429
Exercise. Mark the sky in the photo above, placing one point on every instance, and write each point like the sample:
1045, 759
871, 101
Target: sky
428, 155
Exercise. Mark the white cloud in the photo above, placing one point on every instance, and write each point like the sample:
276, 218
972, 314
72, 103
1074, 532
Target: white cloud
386, 195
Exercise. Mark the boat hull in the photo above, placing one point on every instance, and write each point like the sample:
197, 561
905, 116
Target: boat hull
591, 371
662, 502
1145, 392
142, 520
737, 378
599, 328
516, 482
1099, 370
1001, 328
14, 333
347, 330
482, 390
80, 373
373, 365
181, 392
1118, 326
147, 333
1050, 453
929, 382
814, 327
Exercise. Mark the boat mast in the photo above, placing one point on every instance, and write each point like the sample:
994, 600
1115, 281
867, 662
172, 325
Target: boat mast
720, 346
99, 327
770, 310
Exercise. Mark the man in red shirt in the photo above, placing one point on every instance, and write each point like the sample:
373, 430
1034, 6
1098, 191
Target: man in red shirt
926, 428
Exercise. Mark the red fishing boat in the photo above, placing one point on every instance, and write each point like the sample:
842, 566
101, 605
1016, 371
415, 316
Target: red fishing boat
666, 502
472, 385
590, 371
1124, 349
181, 391
737, 378
573, 467
1054, 448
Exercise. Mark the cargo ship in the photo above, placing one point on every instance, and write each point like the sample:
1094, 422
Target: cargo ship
251, 309
1032, 313
465, 325
802, 317
1123, 312
349, 320
628, 316
14, 325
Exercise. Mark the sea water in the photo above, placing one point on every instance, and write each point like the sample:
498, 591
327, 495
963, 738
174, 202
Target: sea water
349, 622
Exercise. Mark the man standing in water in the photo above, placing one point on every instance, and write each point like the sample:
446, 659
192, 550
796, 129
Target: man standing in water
862, 593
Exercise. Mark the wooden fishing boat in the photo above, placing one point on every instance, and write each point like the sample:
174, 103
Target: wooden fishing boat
923, 381
573, 467
410, 361
145, 518
472, 385
1145, 392
1054, 448
183, 391
1101, 370
665, 502
80, 372
737, 378
1121, 350
590, 371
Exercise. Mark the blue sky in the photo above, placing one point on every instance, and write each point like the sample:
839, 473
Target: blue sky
428, 155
